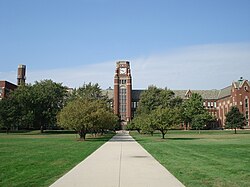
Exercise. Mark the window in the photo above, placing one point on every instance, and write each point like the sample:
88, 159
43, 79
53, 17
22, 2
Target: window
247, 117
122, 102
246, 103
208, 104
245, 88
122, 81
215, 105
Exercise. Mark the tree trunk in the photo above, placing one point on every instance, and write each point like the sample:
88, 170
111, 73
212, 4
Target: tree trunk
234, 130
102, 131
163, 134
41, 128
82, 134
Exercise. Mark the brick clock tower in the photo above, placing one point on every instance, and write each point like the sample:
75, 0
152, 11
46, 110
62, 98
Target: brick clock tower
123, 91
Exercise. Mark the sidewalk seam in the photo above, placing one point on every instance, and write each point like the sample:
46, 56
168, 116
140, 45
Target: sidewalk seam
119, 184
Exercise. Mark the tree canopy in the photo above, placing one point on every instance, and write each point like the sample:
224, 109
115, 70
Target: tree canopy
193, 111
85, 115
234, 119
158, 109
33, 106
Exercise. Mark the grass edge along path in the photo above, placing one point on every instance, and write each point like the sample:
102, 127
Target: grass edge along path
34, 159
213, 158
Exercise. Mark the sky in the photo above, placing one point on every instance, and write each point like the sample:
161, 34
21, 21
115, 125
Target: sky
178, 44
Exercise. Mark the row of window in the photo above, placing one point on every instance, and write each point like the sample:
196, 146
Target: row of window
122, 81
210, 104
134, 104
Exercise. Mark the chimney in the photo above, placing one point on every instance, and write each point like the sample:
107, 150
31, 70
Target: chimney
21, 74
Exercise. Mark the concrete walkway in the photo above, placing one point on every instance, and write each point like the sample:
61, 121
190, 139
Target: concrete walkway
121, 162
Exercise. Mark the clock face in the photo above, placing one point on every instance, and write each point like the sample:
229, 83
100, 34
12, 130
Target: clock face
123, 70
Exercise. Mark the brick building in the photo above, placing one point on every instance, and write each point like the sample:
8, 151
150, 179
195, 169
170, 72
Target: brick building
217, 102
7, 87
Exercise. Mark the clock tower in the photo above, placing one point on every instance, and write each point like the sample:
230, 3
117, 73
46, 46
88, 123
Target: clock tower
122, 91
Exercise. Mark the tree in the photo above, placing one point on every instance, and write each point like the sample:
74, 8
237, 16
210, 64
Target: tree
192, 107
88, 91
24, 104
48, 100
156, 97
143, 123
165, 118
200, 120
8, 114
104, 118
134, 125
158, 109
234, 119
84, 115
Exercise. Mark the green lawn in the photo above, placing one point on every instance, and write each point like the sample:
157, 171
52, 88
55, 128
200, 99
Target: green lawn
213, 158
32, 159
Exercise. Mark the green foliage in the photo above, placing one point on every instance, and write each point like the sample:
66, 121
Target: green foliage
49, 99
193, 108
8, 113
85, 116
201, 120
33, 106
88, 91
143, 123
165, 118
158, 109
156, 97
24, 100
234, 119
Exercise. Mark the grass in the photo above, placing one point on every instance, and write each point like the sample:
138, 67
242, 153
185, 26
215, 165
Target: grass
212, 158
34, 159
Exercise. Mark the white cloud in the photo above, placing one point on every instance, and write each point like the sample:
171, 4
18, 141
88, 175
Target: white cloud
194, 67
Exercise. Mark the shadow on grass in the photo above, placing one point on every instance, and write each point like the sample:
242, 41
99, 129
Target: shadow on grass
183, 138
104, 137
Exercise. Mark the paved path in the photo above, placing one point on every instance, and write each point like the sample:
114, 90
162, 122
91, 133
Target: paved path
121, 162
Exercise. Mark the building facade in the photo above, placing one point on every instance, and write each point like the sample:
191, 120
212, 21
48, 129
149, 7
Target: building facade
217, 102
7, 87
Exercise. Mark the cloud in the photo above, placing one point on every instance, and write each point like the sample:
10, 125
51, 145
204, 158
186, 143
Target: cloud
191, 67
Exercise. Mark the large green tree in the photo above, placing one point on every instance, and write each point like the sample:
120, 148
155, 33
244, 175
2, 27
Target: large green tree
200, 120
85, 115
8, 114
165, 118
192, 107
24, 100
88, 91
157, 97
158, 109
48, 99
234, 119
143, 122
35, 106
